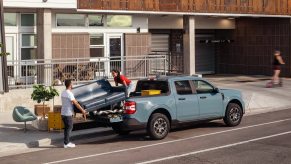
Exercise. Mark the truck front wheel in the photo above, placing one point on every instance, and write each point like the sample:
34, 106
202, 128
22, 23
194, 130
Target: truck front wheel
158, 126
233, 115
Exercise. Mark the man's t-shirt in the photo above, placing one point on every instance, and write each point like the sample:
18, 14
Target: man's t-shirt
67, 106
122, 78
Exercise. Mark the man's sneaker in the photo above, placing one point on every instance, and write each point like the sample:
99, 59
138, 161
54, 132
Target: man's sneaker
70, 145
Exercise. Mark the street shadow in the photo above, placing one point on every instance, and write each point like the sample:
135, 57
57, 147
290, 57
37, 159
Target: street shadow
141, 135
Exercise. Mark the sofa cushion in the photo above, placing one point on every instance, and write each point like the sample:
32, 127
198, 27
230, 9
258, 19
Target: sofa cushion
115, 96
93, 103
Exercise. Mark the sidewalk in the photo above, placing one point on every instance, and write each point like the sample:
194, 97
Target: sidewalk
258, 99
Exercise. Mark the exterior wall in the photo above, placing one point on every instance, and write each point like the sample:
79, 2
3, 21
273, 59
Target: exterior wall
136, 45
255, 40
70, 45
64, 4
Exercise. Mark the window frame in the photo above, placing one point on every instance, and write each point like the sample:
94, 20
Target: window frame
98, 46
191, 87
16, 14
213, 87
86, 21
20, 20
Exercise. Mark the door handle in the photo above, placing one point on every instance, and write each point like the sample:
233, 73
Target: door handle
203, 97
182, 99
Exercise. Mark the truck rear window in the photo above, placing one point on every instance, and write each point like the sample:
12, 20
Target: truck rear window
152, 85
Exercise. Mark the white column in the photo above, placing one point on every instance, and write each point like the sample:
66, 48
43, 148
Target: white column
189, 45
44, 36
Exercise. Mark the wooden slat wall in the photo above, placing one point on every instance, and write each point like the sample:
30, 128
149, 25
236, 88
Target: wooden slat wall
272, 7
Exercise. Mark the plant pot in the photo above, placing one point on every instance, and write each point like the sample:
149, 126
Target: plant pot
40, 124
39, 110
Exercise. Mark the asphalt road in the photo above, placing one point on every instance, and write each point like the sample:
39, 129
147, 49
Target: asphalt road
260, 139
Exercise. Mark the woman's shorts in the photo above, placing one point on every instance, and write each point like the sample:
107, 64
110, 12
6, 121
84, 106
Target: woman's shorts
277, 67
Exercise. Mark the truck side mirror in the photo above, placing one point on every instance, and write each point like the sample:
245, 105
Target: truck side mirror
216, 90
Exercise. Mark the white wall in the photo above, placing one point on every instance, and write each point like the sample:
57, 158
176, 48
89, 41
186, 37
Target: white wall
64, 4
165, 22
176, 22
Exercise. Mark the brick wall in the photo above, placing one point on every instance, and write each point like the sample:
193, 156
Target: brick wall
71, 45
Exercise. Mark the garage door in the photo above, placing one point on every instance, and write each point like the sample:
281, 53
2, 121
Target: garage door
160, 42
205, 55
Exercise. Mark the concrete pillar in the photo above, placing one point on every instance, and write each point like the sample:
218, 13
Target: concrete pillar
44, 45
189, 45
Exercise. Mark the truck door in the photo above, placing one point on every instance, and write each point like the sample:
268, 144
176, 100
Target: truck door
210, 102
186, 101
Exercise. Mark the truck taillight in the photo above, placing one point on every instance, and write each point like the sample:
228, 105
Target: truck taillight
129, 107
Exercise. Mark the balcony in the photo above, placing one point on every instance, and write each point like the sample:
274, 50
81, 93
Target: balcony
266, 7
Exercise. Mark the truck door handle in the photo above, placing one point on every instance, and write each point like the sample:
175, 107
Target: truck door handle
182, 99
203, 97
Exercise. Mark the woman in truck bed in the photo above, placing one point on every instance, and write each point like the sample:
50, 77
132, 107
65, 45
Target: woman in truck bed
121, 79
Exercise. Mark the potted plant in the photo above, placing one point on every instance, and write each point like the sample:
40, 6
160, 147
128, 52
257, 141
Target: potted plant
42, 94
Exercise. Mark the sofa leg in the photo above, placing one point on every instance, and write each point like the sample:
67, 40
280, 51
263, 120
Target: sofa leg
25, 127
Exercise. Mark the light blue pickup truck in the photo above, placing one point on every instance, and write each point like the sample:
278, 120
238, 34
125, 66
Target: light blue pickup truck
182, 100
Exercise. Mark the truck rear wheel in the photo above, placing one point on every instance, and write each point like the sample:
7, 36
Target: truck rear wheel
158, 126
117, 128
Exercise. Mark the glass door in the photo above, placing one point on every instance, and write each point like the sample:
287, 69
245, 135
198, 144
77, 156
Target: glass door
12, 59
115, 52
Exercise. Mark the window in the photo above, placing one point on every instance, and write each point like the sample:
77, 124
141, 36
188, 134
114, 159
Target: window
183, 87
10, 19
28, 52
29, 40
119, 21
70, 19
203, 87
96, 20
28, 19
97, 45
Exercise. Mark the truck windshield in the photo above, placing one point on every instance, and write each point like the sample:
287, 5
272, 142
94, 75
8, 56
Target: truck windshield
152, 85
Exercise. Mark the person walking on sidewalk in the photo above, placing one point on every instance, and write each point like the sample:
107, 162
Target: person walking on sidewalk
121, 79
67, 112
278, 61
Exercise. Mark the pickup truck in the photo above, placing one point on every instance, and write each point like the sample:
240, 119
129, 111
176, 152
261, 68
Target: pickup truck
181, 99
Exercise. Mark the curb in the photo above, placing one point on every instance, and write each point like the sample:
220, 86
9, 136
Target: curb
58, 141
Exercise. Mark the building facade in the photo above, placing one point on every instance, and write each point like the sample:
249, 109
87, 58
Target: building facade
198, 36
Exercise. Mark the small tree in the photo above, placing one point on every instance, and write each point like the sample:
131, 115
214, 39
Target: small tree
42, 94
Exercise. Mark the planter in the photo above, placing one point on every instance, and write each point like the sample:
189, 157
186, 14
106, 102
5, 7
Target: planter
39, 110
40, 124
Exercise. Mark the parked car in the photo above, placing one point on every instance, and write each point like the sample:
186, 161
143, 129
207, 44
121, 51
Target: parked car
174, 101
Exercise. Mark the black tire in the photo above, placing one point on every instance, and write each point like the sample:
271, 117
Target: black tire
158, 126
117, 128
233, 115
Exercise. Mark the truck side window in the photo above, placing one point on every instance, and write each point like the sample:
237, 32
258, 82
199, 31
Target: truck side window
203, 87
183, 87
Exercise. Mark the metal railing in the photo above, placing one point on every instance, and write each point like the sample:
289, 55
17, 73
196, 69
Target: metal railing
25, 73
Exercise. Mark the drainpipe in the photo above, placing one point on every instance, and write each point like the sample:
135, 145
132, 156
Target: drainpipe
4, 78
